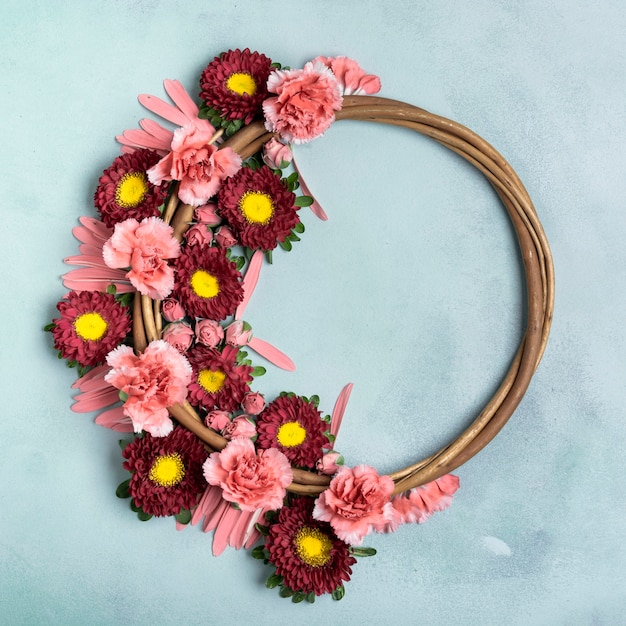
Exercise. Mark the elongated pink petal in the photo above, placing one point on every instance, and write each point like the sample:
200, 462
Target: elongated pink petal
95, 400
141, 139
92, 376
211, 498
339, 408
181, 99
211, 522
92, 232
115, 420
272, 354
315, 207
96, 279
249, 282
157, 131
163, 109
224, 529
86, 260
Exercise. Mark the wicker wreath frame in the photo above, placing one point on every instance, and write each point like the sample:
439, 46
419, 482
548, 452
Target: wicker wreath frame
538, 273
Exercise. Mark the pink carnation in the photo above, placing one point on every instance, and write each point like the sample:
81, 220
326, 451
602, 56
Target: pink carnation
144, 247
199, 166
251, 479
356, 502
154, 380
305, 104
351, 76
179, 335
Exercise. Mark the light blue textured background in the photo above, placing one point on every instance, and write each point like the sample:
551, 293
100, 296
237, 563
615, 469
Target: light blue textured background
412, 291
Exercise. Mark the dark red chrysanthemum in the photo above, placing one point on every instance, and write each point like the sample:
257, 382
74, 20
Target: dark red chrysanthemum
235, 84
295, 427
124, 190
258, 207
306, 552
167, 472
208, 285
91, 325
217, 380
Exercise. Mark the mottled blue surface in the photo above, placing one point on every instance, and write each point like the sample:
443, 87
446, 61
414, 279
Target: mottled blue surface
412, 291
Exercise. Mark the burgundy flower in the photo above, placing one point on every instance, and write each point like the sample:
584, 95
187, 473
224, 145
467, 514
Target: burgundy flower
167, 472
91, 325
207, 284
306, 552
235, 84
258, 207
217, 380
295, 427
124, 190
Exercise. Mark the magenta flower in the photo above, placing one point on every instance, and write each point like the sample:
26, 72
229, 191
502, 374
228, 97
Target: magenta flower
152, 381
356, 502
305, 102
144, 247
251, 479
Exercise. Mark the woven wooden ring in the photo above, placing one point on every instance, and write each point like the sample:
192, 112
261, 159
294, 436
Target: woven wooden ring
538, 272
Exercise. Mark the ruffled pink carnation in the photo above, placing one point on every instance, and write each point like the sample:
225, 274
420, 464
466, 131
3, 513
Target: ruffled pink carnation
351, 76
356, 502
198, 166
154, 380
251, 479
144, 247
305, 104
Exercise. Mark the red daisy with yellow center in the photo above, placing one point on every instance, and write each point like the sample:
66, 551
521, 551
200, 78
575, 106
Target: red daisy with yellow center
91, 325
258, 207
295, 427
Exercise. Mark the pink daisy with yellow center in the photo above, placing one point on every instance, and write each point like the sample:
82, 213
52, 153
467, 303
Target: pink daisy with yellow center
234, 84
258, 207
166, 472
306, 552
91, 325
295, 427
124, 190
217, 380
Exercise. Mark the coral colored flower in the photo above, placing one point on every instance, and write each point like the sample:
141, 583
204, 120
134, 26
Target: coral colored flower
218, 381
234, 84
306, 552
144, 247
152, 381
258, 207
237, 335
251, 479
166, 472
90, 326
208, 285
295, 427
217, 420
172, 310
351, 76
207, 214
356, 502
253, 403
199, 235
330, 463
199, 166
179, 335
124, 190
241, 426
276, 154
305, 104
224, 237
209, 333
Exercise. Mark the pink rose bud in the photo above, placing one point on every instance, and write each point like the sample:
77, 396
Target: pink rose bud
172, 310
276, 154
236, 335
224, 237
199, 235
179, 335
240, 427
209, 333
206, 214
329, 463
217, 420
253, 403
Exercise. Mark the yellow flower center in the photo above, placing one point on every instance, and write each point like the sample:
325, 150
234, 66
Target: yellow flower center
131, 189
90, 326
211, 381
168, 470
241, 83
291, 434
312, 546
257, 207
204, 284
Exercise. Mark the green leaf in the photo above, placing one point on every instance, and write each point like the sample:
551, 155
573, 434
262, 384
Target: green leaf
239, 262
285, 245
258, 552
292, 179
315, 400
273, 581
258, 371
122, 490
112, 289
143, 516
123, 443
247, 326
310, 598
298, 596
285, 592
184, 517
264, 530
339, 593
123, 396
293, 237
358, 551
134, 507
303, 201
299, 227
233, 126
268, 256
49, 327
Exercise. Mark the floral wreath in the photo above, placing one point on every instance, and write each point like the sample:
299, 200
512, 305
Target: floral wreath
154, 321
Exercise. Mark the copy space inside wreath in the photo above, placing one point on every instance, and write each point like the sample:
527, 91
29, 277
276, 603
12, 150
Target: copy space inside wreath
412, 290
